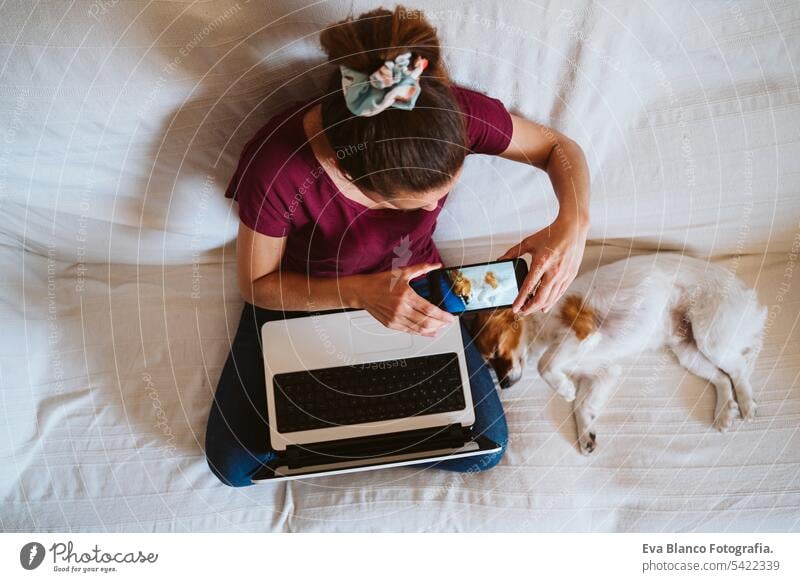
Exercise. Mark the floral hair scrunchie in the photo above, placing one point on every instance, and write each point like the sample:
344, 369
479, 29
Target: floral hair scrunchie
395, 84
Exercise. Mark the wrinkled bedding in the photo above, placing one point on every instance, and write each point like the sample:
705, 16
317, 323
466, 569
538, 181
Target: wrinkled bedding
122, 122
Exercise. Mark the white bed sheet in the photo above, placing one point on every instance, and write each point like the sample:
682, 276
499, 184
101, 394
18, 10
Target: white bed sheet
104, 429
121, 124
124, 120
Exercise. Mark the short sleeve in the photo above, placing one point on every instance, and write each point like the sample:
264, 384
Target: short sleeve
489, 125
260, 207
262, 190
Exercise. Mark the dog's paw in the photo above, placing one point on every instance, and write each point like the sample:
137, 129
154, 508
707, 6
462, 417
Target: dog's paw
569, 395
587, 443
724, 414
748, 409
561, 385
566, 390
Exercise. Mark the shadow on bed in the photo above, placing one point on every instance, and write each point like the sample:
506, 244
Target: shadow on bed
235, 87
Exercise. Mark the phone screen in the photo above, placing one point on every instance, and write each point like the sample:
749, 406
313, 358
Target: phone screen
477, 287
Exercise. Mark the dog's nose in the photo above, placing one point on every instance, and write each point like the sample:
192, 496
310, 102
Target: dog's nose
514, 375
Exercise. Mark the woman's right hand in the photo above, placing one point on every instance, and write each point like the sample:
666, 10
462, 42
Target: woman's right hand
389, 298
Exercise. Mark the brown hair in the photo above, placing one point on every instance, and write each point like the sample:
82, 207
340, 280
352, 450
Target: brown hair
396, 151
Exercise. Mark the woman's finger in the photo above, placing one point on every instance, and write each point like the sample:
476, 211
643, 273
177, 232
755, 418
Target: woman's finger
566, 282
428, 309
529, 286
558, 289
512, 253
562, 288
414, 326
400, 322
422, 322
551, 296
538, 300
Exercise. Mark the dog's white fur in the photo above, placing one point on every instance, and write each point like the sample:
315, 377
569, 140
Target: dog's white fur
700, 311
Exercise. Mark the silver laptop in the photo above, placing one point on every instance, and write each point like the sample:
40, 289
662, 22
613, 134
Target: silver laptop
345, 394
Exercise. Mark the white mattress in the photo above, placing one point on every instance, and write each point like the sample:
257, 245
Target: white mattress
105, 429
122, 122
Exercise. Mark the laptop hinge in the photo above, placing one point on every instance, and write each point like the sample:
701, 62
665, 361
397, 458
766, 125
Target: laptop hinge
411, 441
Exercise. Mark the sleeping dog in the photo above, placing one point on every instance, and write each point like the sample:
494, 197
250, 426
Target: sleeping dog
701, 312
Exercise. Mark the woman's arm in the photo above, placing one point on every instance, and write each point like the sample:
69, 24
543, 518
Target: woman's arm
387, 296
557, 250
260, 283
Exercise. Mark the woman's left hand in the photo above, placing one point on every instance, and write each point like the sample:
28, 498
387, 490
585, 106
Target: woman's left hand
556, 253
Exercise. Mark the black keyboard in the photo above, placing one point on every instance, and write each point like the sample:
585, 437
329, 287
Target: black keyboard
368, 392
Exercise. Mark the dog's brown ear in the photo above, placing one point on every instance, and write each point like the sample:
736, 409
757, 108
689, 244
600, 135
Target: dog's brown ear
497, 335
483, 331
496, 332
503, 367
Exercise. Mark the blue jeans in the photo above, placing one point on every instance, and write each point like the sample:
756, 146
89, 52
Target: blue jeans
237, 434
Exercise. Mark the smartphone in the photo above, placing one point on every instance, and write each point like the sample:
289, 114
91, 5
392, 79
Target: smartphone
476, 287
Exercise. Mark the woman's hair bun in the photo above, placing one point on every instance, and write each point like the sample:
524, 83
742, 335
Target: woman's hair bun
404, 152
363, 43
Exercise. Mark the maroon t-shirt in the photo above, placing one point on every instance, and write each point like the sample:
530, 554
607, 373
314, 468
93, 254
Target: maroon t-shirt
283, 191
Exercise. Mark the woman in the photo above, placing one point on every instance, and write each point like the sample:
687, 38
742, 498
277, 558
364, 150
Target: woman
338, 199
